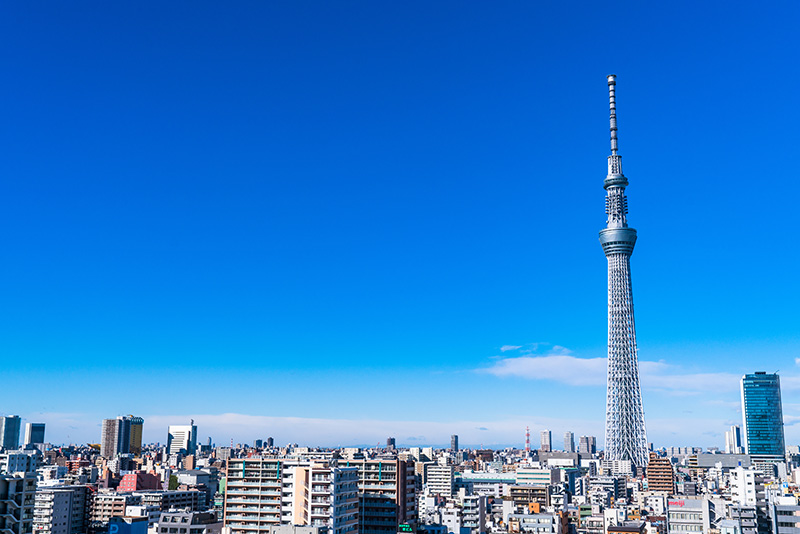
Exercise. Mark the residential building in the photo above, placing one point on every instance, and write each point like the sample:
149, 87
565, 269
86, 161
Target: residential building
439, 480
253, 496
139, 480
166, 499
17, 494
263, 492
473, 509
61, 510
569, 442
546, 441
34, 433
587, 445
110, 504
9, 432
387, 494
660, 476
454, 443
762, 416
748, 489
115, 436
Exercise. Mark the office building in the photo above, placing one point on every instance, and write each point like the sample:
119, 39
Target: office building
587, 445
762, 416
9, 432
454, 443
390, 443
135, 439
182, 439
34, 433
626, 438
569, 442
733, 441
546, 441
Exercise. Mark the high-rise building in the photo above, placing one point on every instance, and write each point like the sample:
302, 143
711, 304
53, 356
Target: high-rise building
547, 441
182, 439
121, 436
660, 476
733, 441
390, 443
439, 480
135, 441
454, 443
626, 438
17, 492
34, 433
61, 510
587, 445
270, 442
569, 441
295, 492
9, 432
762, 415
387, 494
109, 438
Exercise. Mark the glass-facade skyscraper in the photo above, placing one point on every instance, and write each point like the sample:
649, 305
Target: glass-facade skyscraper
762, 414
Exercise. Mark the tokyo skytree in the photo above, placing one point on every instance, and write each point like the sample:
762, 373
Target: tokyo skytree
626, 438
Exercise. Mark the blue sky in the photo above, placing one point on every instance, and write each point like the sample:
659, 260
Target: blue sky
332, 222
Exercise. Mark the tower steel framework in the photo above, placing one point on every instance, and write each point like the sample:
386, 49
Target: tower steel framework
626, 438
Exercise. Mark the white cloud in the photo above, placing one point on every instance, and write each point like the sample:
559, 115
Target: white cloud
505, 348
560, 366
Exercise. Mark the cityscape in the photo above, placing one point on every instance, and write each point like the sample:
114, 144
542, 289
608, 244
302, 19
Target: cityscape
281, 268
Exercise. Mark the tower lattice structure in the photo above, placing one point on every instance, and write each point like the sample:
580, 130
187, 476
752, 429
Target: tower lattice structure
626, 438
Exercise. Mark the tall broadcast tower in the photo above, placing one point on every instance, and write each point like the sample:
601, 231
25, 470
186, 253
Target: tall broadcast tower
625, 433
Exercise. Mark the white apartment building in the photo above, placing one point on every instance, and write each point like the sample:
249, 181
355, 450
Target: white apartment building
262, 492
439, 480
747, 487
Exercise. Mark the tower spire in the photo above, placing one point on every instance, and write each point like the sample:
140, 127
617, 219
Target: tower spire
612, 105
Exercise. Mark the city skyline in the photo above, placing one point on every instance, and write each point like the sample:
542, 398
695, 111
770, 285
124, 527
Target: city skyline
220, 211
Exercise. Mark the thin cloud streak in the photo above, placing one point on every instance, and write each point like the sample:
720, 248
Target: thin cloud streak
560, 366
